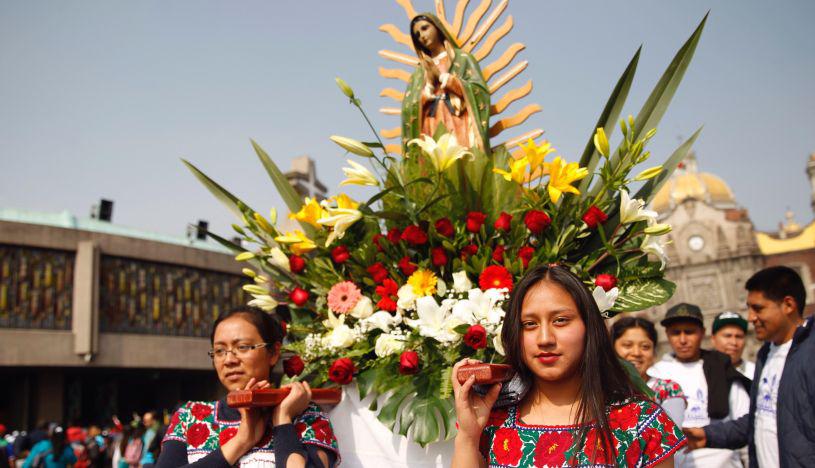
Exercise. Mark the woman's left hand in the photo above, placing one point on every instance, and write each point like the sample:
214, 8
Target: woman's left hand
293, 405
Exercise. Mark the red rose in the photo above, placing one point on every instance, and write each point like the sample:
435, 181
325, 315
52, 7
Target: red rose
495, 276
342, 371
632, 455
507, 446
445, 227
340, 254
226, 435
409, 363
476, 337
469, 250
200, 412
387, 303
376, 239
414, 235
438, 256
594, 216
504, 222
624, 417
296, 264
394, 235
605, 281
378, 272
406, 266
475, 219
293, 366
197, 434
594, 448
536, 221
498, 254
299, 296
525, 253
551, 448
653, 441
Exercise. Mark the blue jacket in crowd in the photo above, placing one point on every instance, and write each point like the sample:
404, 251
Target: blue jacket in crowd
795, 414
64, 459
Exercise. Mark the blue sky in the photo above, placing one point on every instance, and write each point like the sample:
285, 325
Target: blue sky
101, 99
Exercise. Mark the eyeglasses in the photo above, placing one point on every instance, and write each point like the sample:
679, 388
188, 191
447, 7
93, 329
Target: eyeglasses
238, 351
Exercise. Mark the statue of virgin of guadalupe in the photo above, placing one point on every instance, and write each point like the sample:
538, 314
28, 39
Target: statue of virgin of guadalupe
446, 88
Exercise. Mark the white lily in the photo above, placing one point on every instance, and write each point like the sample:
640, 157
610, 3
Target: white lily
340, 219
479, 307
263, 302
656, 246
358, 174
388, 344
605, 299
461, 283
363, 309
383, 320
341, 335
280, 259
406, 298
442, 153
435, 320
496, 341
632, 211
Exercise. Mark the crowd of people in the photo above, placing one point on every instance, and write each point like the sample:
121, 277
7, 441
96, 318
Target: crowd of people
52, 445
579, 396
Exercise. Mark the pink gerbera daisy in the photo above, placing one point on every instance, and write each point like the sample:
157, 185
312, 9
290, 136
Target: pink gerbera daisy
343, 297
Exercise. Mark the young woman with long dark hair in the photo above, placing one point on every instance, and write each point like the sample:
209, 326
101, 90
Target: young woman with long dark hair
296, 433
580, 408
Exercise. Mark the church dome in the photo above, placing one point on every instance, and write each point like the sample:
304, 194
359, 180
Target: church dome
687, 183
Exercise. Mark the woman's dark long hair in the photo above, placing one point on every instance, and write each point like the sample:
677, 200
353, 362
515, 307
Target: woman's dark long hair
603, 381
621, 326
57, 442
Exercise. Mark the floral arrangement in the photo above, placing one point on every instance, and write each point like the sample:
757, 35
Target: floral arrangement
390, 292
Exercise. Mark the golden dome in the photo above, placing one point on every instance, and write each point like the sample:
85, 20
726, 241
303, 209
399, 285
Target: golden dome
687, 183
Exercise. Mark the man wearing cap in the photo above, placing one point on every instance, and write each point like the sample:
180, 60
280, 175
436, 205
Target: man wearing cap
729, 332
715, 390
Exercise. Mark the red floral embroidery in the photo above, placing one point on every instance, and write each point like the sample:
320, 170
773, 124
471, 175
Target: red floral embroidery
226, 435
507, 446
551, 448
197, 434
301, 428
624, 417
594, 447
497, 417
322, 431
653, 441
632, 456
200, 412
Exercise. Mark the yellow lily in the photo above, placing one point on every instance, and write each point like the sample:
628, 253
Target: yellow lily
298, 242
341, 217
309, 213
517, 170
442, 153
358, 175
561, 176
601, 141
536, 154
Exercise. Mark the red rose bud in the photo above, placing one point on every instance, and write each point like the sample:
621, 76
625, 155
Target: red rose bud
342, 371
438, 256
445, 227
495, 276
476, 337
299, 296
394, 235
407, 267
340, 254
376, 239
525, 253
293, 366
605, 281
296, 264
414, 235
409, 363
594, 216
469, 250
498, 254
537, 221
475, 219
378, 272
504, 222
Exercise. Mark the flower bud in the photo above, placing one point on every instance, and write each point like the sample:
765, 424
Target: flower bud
346, 90
601, 142
649, 173
658, 229
249, 272
353, 146
650, 133
244, 256
255, 289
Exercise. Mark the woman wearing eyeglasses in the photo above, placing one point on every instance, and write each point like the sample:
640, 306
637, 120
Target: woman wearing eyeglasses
245, 347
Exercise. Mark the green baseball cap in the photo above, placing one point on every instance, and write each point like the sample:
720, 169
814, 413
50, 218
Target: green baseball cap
683, 311
729, 318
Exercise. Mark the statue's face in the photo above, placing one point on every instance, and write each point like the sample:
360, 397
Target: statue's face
426, 34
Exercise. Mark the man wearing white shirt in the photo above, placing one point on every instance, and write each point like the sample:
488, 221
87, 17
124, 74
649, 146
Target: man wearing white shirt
729, 336
780, 427
714, 389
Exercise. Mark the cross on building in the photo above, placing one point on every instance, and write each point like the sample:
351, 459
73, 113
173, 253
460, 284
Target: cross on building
303, 177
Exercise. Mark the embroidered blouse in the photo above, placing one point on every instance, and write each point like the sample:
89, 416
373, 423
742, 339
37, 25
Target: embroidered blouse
202, 427
643, 436
665, 389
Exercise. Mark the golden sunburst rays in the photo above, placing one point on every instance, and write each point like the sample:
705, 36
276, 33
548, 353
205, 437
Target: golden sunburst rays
477, 34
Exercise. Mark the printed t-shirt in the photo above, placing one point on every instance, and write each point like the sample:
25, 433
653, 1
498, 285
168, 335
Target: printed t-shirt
766, 426
642, 433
